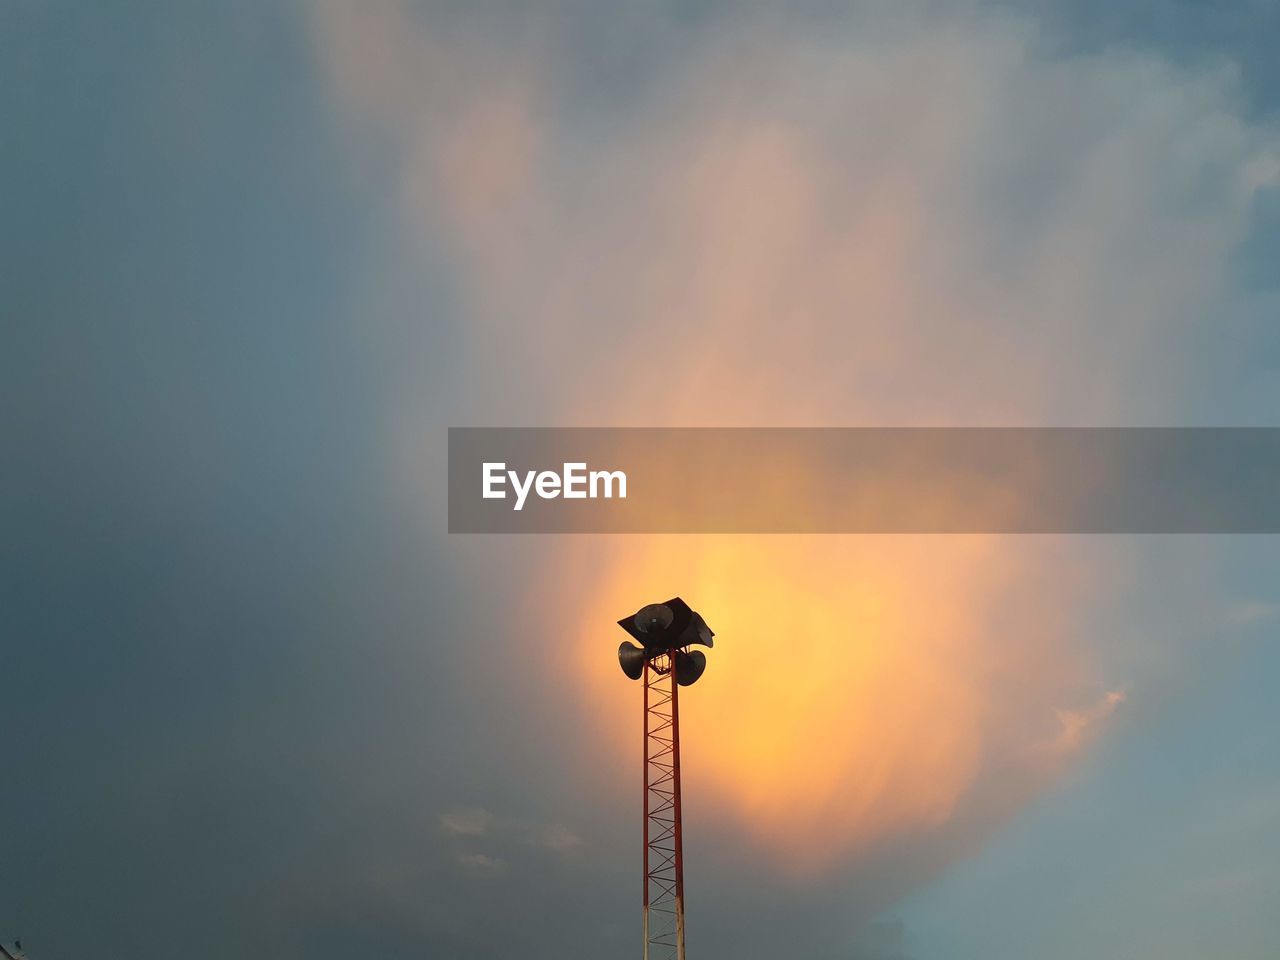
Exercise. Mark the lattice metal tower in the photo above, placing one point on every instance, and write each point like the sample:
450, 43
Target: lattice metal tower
665, 664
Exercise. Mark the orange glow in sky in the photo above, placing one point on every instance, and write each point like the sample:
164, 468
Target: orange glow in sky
856, 686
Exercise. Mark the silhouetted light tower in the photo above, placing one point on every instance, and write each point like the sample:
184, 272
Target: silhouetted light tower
665, 663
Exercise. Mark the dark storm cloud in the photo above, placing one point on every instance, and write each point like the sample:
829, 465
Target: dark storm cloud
204, 583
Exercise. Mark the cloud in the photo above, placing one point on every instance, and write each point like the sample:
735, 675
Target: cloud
1077, 725
483, 864
556, 837
471, 823
899, 216
467, 822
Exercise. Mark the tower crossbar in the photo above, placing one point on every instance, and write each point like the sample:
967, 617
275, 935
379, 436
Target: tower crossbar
663, 858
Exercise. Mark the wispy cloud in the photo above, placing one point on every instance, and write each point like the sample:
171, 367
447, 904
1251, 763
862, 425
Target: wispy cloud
556, 837
483, 863
467, 822
1077, 726
504, 836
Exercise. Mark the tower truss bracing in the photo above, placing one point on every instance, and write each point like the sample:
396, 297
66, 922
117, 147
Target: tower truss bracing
663, 861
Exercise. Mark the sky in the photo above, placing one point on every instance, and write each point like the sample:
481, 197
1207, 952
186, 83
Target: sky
260, 255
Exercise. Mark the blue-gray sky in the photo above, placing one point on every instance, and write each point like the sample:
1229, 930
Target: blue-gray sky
259, 255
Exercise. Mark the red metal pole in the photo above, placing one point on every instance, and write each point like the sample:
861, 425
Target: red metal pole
644, 786
675, 761
663, 857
